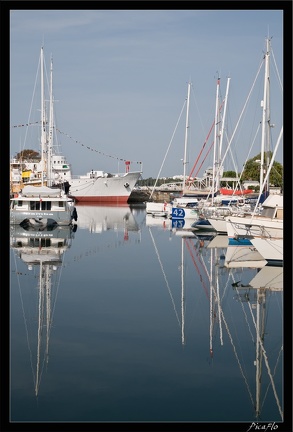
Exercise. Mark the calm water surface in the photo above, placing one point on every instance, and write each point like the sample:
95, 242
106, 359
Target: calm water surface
131, 321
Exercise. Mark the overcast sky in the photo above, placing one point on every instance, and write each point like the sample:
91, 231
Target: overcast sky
121, 76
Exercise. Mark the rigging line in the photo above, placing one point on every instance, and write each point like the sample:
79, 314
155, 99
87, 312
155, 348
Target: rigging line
187, 241
25, 320
205, 142
268, 367
237, 358
245, 314
168, 148
226, 286
25, 124
243, 168
275, 368
197, 108
218, 298
94, 251
40, 325
97, 151
277, 71
57, 290
268, 172
164, 274
219, 308
205, 268
243, 109
204, 159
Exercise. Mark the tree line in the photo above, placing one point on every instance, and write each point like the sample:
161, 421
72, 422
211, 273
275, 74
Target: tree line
251, 170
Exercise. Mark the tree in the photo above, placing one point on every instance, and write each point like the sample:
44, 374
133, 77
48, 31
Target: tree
28, 155
229, 174
252, 170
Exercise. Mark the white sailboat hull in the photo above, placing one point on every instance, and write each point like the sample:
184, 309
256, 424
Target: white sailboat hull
218, 224
270, 249
256, 227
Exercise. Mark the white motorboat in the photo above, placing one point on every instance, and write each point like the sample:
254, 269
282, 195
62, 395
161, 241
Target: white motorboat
40, 206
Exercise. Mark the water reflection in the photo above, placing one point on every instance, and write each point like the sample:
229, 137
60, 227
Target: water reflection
224, 324
42, 251
102, 218
208, 254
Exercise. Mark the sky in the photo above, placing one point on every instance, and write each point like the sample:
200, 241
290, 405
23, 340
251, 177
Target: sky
120, 80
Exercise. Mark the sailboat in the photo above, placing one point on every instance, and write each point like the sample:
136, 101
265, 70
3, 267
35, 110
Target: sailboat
43, 253
41, 204
53, 170
184, 206
50, 168
268, 224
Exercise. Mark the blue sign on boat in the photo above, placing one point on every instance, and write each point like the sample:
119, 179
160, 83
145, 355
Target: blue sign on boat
178, 213
178, 223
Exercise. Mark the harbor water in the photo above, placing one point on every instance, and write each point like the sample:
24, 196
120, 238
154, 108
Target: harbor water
136, 321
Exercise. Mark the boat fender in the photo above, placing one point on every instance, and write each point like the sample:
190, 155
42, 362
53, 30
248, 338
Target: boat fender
126, 185
74, 214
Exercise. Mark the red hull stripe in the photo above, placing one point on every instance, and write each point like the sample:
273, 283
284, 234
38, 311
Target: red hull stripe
105, 199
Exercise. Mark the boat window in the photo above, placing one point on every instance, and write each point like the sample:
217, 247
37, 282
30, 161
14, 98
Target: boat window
61, 203
268, 212
16, 204
279, 214
39, 242
35, 205
46, 205
40, 205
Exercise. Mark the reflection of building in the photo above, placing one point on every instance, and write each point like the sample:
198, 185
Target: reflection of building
43, 252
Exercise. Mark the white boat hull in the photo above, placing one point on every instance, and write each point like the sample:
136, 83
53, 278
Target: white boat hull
40, 218
112, 189
41, 206
158, 209
218, 224
270, 249
256, 227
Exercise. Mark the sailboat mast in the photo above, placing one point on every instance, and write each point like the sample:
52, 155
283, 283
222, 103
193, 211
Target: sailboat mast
40, 324
221, 136
211, 305
43, 117
186, 137
51, 125
265, 116
182, 294
215, 139
48, 308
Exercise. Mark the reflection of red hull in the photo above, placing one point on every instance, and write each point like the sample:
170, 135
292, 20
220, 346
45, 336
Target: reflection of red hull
224, 191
